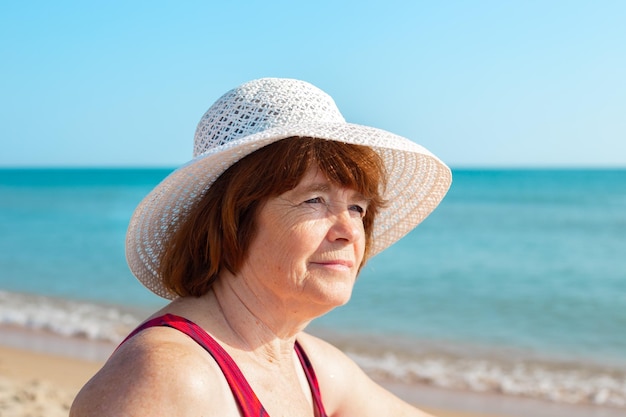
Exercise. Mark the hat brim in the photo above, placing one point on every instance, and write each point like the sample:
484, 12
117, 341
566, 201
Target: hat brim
417, 182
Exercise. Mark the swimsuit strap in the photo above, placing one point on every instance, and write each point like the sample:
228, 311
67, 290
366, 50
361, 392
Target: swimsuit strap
312, 379
244, 395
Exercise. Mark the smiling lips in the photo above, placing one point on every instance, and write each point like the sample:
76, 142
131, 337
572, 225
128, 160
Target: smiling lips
335, 263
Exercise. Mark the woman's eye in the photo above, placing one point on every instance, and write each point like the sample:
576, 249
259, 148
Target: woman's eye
358, 209
316, 200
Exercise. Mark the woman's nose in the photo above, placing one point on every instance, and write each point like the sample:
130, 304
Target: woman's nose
345, 226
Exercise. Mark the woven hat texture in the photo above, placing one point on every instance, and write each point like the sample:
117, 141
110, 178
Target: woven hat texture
257, 114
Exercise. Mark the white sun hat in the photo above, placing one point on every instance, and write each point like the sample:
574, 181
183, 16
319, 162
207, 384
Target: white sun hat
259, 113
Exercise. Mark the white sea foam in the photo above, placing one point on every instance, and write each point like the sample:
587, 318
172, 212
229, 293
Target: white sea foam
65, 317
558, 383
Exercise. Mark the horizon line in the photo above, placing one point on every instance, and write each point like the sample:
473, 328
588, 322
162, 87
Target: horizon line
453, 167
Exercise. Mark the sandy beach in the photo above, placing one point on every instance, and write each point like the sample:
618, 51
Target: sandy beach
36, 384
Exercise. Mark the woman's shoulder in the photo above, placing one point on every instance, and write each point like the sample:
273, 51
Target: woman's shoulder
327, 359
335, 371
318, 348
346, 389
159, 371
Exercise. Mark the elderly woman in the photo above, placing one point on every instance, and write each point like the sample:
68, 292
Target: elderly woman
263, 231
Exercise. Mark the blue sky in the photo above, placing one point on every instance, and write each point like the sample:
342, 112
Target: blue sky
479, 83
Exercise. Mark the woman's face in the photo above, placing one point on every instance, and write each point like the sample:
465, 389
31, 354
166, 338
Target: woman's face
309, 245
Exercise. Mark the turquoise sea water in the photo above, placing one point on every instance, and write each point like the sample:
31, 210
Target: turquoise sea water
516, 282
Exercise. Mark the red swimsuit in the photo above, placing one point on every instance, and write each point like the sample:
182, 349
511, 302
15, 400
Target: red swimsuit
246, 398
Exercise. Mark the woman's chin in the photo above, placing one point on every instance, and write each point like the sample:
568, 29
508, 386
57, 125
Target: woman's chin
334, 297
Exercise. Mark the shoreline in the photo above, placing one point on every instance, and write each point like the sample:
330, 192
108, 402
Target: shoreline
41, 372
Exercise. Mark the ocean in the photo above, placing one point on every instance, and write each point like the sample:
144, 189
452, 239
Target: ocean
514, 286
